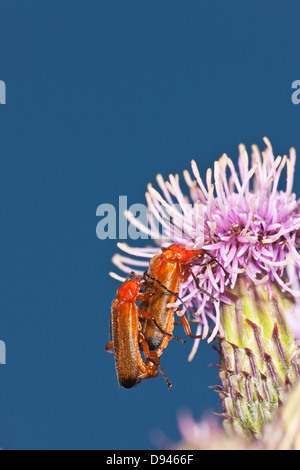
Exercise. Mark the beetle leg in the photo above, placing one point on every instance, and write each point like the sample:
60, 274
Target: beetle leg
151, 317
110, 346
154, 359
130, 275
144, 296
190, 320
150, 356
187, 328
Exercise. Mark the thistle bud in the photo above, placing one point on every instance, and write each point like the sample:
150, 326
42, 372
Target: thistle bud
257, 356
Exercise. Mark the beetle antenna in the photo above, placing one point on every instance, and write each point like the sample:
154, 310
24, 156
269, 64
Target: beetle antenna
214, 259
200, 288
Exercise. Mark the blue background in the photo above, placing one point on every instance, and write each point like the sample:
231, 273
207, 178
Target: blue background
102, 95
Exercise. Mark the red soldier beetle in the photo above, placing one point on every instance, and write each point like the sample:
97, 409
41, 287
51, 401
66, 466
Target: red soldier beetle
128, 338
167, 270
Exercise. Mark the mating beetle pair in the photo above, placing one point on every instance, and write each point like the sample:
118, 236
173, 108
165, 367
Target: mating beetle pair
148, 327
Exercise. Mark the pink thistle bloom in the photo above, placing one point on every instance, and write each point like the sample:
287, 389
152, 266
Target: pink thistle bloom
206, 434
283, 433
241, 217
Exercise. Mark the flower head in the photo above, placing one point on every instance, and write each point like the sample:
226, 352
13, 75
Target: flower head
244, 218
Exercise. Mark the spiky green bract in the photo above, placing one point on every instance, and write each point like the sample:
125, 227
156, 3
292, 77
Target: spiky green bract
257, 351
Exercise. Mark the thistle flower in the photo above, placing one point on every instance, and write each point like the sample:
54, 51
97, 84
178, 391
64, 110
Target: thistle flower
206, 435
281, 434
251, 227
